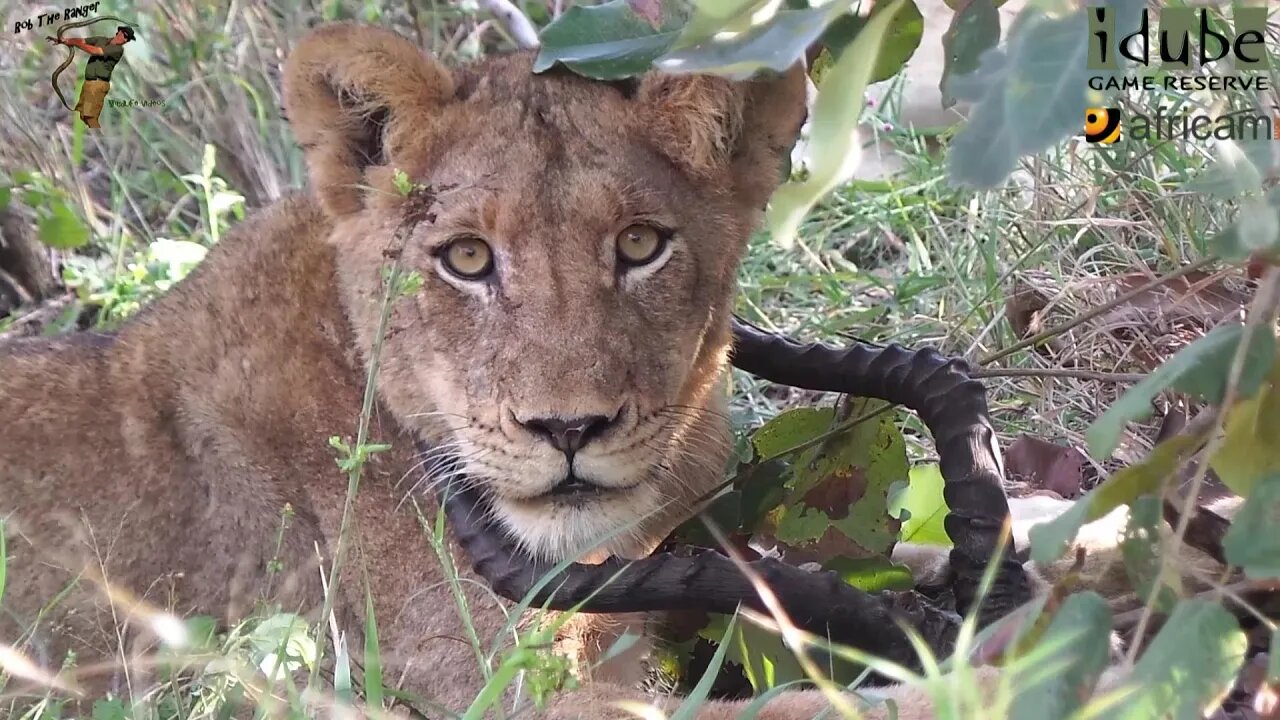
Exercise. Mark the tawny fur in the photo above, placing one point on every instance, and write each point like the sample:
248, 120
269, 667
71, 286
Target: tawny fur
158, 460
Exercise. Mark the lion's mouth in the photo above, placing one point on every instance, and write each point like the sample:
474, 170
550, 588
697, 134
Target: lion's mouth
575, 490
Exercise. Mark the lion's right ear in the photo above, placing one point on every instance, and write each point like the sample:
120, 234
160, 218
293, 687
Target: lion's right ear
356, 97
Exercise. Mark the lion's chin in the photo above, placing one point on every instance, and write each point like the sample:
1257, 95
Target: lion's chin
585, 527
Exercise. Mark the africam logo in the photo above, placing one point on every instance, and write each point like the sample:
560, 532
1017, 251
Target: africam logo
1102, 125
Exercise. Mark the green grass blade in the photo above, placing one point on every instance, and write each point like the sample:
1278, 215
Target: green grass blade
373, 691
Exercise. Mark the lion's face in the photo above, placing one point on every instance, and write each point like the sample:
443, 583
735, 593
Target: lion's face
570, 328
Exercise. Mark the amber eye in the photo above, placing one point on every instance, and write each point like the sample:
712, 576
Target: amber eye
468, 257
640, 244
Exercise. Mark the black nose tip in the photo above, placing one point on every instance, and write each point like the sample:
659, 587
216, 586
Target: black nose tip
568, 435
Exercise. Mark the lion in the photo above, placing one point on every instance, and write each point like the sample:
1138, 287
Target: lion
564, 339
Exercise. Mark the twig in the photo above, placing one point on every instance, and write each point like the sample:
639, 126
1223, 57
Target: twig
1059, 373
34, 322
24, 297
515, 22
1100, 310
1261, 319
389, 298
417, 22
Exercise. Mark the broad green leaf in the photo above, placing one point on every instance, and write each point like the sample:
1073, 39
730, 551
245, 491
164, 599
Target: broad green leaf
61, 228
1030, 96
1249, 451
201, 631
764, 658
974, 29
689, 709
1141, 549
833, 151
1198, 369
756, 489
608, 41
1253, 540
871, 574
1049, 540
6, 193
926, 507
1256, 229
1231, 174
843, 485
1188, 667
282, 645
110, 709
1066, 662
791, 429
900, 43
714, 16
776, 45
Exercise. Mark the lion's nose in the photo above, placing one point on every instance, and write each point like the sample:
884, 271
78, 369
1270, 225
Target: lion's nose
568, 435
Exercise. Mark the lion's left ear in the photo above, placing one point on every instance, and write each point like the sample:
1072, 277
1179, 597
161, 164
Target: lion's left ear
359, 96
709, 124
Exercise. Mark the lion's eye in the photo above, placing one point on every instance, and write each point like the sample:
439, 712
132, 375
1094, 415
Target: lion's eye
640, 244
470, 258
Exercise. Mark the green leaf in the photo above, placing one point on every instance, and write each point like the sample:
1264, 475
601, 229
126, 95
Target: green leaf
1253, 540
6, 194
1068, 659
1198, 369
1256, 229
609, 41
764, 658
1248, 451
1031, 96
791, 429
923, 499
201, 631
843, 484
871, 574
833, 151
1049, 540
900, 43
61, 228
689, 709
1189, 665
110, 709
1230, 175
715, 16
1140, 548
775, 45
974, 29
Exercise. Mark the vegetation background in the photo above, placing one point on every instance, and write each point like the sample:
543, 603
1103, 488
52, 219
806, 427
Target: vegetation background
1073, 275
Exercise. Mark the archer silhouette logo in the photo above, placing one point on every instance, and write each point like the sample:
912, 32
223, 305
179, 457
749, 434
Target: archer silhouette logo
104, 53
1102, 125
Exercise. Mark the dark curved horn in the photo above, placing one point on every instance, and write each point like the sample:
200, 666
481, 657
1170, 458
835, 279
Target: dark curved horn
819, 602
954, 408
